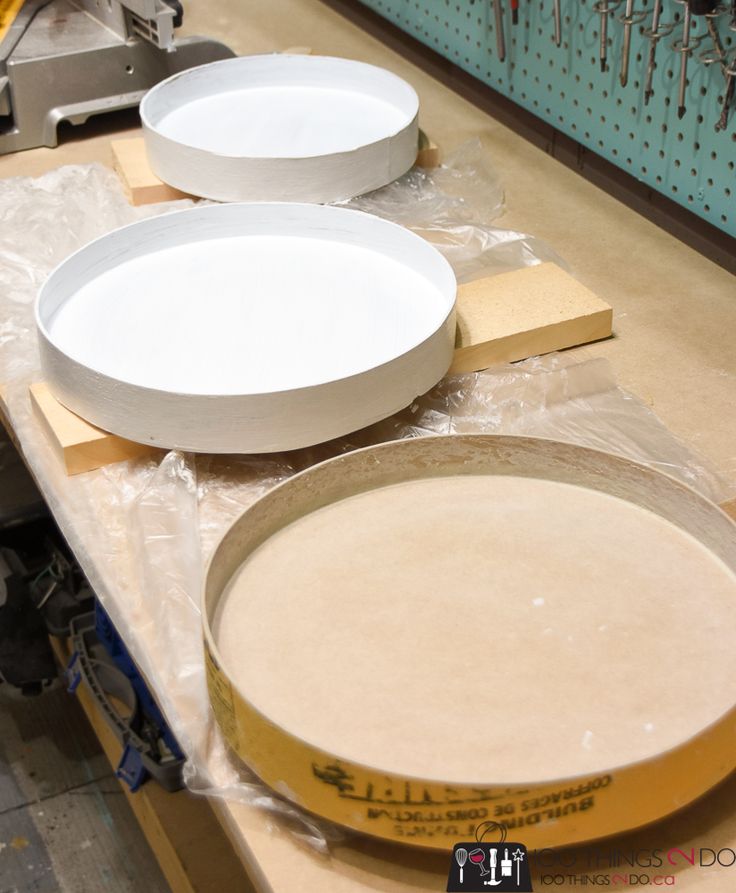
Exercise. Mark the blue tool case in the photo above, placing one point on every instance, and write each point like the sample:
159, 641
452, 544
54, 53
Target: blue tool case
102, 663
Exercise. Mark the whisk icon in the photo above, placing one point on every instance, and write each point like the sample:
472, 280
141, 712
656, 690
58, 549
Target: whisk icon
461, 857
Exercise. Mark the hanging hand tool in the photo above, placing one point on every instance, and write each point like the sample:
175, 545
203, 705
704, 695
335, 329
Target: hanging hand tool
514, 12
687, 45
558, 23
601, 7
685, 50
628, 20
717, 55
626, 46
653, 35
658, 30
711, 13
500, 41
604, 35
728, 94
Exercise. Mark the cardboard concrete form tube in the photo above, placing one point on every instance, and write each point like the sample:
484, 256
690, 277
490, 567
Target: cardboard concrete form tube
281, 128
633, 779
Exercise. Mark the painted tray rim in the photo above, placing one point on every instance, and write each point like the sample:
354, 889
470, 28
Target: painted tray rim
330, 177
77, 385
150, 118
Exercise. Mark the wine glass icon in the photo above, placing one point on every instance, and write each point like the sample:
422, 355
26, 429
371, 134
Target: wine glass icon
478, 857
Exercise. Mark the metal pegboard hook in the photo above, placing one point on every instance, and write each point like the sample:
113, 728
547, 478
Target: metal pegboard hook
606, 7
635, 17
679, 45
664, 29
712, 55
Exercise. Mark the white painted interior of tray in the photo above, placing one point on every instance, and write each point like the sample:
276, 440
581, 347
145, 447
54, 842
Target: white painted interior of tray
249, 313
280, 106
247, 327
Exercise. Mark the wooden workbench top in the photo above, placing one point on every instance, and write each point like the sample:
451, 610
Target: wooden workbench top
675, 315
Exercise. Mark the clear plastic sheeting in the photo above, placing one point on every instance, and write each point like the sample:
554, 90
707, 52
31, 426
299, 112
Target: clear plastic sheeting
462, 189
42, 221
144, 529
452, 206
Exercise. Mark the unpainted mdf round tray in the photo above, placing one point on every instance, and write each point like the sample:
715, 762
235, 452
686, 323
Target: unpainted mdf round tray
281, 128
416, 637
247, 328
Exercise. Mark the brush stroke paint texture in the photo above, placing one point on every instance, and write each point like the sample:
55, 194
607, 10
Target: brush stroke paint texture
247, 328
281, 128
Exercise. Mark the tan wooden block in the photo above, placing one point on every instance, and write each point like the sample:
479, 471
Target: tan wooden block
729, 507
429, 154
141, 185
79, 445
525, 313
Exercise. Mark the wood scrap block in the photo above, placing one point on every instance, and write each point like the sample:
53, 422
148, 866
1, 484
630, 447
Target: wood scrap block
525, 313
428, 154
729, 507
141, 185
79, 445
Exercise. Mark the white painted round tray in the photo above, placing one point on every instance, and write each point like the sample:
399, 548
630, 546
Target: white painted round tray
281, 128
416, 637
247, 327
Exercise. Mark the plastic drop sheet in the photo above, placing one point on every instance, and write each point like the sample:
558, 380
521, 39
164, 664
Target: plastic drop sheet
142, 530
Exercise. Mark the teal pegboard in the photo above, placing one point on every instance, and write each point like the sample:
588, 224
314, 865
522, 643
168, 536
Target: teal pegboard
684, 159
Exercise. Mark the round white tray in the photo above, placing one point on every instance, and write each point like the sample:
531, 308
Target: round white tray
416, 637
247, 327
281, 128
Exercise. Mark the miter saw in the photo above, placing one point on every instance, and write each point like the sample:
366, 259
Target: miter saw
65, 60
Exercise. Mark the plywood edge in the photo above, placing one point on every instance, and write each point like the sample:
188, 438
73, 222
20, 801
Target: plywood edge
79, 445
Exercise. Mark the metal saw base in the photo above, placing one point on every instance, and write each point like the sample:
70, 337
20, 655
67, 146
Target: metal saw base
67, 66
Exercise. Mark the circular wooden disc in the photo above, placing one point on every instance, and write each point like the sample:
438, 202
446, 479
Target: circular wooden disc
505, 625
281, 128
456, 614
